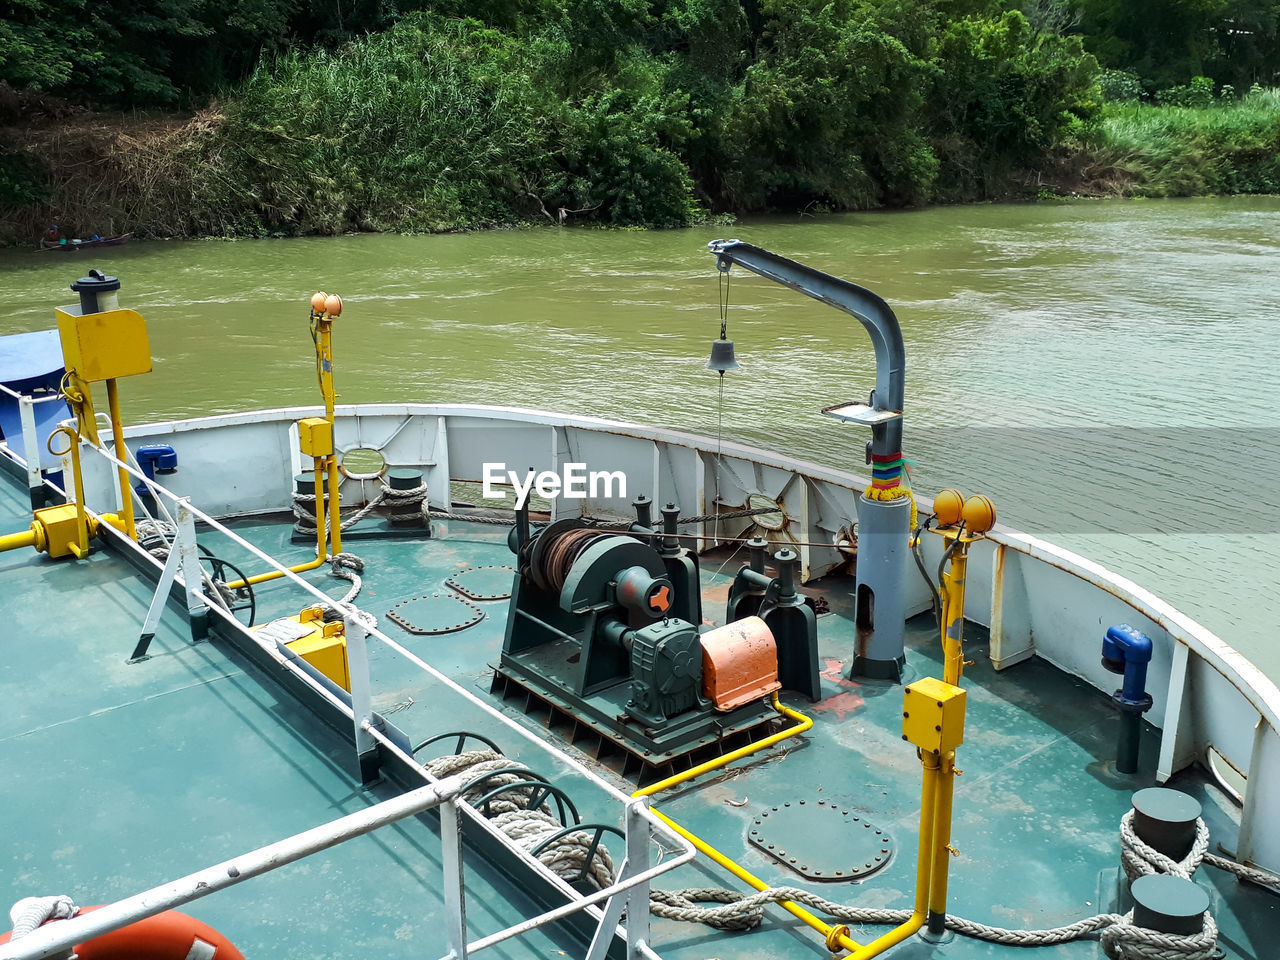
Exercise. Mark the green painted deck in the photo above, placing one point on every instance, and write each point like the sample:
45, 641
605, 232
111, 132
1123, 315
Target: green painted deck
122, 776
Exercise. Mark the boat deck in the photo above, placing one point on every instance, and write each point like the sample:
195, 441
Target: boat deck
125, 775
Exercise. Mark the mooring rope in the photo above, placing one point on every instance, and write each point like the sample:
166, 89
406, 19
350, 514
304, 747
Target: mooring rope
1121, 939
566, 856
402, 506
157, 536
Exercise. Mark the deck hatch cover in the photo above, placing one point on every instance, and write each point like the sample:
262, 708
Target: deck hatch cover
820, 840
484, 583
435, 613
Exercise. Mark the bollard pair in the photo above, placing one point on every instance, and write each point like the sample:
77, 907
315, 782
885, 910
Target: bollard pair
1167, 820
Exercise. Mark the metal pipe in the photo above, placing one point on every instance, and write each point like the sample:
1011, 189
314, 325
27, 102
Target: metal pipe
804, 724
942, 845
953, 581
924, 864
81, 548
573, 907
331, 461
15, 541
732, 866
55, 938
321, 548
748, 877
859, 302
117, 433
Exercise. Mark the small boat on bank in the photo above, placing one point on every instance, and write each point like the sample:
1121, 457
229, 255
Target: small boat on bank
94, 241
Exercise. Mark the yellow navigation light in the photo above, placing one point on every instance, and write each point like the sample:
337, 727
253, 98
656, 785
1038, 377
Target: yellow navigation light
315, 437
979, 514
947, 507
933, 715
104, 346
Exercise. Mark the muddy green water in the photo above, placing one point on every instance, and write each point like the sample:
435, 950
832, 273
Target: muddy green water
1105, 371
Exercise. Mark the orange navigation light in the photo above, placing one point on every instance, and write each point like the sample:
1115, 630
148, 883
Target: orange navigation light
948, 506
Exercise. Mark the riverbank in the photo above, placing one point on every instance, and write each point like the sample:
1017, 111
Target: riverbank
213, 173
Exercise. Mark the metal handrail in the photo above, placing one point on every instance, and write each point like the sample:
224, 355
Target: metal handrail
365, 726
54, 939
22, 396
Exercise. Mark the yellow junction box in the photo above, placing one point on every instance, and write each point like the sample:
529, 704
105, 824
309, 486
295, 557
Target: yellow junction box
57, 527
933, 715
104, 346
325, 647
315, 437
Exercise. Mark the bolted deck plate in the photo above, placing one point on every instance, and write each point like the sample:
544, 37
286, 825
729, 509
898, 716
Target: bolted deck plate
484, 583
435, 613
821, 840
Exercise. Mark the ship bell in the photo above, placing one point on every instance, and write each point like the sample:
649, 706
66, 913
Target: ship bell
722, 357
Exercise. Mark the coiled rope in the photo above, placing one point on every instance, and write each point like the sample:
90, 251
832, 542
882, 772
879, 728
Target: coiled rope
566, 856
157, 536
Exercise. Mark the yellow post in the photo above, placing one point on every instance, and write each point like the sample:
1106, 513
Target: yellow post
942, 843
325, 361
81, 548
924, 865
79, 395
953, 607
323, 309
122, 454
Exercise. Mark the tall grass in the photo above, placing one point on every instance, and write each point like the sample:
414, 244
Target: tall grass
1167, 151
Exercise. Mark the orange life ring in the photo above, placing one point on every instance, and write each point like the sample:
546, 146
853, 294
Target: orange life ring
166, 936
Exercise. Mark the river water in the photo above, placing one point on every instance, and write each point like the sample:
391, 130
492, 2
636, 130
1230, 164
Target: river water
1105, 371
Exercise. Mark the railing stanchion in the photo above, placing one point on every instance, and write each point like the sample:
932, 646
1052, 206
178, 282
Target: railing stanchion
184, 543
455, 904
361, 695
637, 829
31, 450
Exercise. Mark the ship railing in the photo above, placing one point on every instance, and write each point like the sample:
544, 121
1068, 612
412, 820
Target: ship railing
30, 456
1036, 598
641, 826
631, 890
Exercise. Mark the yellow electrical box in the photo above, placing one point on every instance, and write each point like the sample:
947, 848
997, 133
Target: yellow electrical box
933, 715
325, 647
315, 437
56, 530
104, 346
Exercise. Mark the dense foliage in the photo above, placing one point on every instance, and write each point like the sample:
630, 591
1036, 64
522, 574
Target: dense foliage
444, 114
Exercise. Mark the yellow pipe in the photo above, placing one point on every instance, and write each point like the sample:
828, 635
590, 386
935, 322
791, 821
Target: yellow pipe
81, 548
924, 864
331, 461
14, 541
931, 810
320, 464
804, 724
942, 836
117, 432
953, 612
746, 876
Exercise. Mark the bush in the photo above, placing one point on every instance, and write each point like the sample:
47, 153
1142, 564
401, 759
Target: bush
1120, 86
1198, 93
